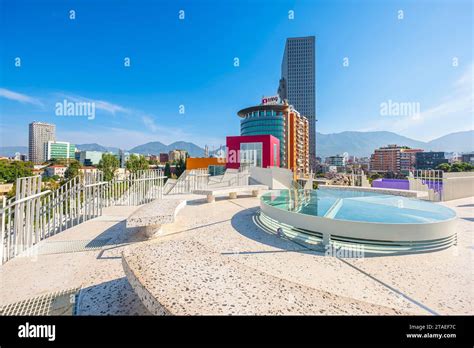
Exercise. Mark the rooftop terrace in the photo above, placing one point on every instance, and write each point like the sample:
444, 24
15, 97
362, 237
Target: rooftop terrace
215, 260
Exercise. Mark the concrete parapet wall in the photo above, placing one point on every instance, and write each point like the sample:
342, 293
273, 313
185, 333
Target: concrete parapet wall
273, 177
458, 185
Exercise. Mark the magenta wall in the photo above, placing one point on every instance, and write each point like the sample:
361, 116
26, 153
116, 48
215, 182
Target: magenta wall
233, 144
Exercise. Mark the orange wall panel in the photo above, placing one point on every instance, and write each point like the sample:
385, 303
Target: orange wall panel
204, 162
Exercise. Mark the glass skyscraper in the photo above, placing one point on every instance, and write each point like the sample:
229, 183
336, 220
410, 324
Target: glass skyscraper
298, 83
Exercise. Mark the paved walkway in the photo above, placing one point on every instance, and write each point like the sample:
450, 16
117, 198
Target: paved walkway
433, 283
105, 289
183, 277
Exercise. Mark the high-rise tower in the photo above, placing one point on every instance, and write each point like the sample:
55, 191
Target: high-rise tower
39, 135
298, 83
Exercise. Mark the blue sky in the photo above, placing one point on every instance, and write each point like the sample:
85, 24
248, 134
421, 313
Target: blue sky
190, 62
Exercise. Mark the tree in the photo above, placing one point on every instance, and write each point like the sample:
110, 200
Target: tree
136, 163
12, 170
109, 163
374, 176
72, 171
51, 183
168, 170
455, 167
445, 167
180, 167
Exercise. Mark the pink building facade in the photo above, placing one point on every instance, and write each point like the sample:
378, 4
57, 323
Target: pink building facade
255, 150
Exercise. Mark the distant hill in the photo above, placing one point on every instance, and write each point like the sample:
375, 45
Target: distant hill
458, 142
96, 147
193, 149
355, 143
156, 147
362, 144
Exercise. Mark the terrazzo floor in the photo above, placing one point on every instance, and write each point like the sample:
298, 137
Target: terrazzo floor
221, 240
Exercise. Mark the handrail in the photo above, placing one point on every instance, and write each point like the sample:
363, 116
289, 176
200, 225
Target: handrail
96, 184
24, 199
33, 216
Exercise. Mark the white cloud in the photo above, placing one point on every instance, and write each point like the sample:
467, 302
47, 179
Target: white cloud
130, 138
166, 134
150, 123
117, 137
22, 98
461, 101
99, 104
452, 113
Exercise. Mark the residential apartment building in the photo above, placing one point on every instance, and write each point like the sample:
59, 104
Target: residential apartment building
164, 157
38, 135
176, 155
152, 158
337, 160
20, 157
298, 83
394, 159
55, 170
88, 170
408, 160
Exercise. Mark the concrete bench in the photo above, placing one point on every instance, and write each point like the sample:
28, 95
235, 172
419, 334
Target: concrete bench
153, 215
232, 191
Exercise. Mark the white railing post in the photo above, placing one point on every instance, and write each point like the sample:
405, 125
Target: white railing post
3, 234
33, 215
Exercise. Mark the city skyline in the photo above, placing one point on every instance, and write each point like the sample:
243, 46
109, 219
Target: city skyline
142, 103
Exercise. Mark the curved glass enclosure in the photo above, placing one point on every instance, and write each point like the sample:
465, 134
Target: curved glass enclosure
345, 218
358, 206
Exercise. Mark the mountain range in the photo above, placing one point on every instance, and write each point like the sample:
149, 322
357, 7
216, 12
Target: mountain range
360, 144
156, 147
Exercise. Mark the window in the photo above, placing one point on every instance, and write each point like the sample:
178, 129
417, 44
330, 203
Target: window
251, 154
275, 154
